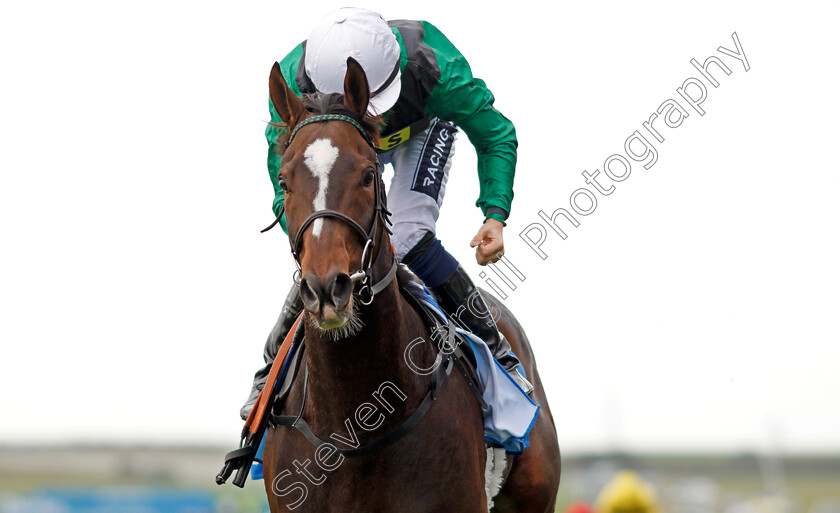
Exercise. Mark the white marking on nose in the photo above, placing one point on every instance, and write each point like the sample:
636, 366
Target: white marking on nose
319, 157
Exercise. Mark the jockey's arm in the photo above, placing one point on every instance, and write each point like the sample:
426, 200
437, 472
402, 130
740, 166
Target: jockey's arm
466, 101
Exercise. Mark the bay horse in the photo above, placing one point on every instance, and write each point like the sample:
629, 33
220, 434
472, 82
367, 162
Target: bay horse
355, 386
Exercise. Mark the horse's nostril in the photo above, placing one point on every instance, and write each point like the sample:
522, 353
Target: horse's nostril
342, 288
307, 293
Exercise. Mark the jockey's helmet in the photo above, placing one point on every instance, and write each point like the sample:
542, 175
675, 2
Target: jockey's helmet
365, 36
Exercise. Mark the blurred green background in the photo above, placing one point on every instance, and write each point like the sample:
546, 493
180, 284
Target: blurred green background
177, 479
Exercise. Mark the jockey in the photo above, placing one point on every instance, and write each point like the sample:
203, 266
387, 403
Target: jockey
424, 90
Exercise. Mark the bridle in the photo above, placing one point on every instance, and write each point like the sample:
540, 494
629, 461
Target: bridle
363, 276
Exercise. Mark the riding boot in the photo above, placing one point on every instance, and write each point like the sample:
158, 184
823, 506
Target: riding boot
291, 309
461, 299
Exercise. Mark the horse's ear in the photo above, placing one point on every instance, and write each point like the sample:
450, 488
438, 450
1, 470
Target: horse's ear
286, 103
356, 89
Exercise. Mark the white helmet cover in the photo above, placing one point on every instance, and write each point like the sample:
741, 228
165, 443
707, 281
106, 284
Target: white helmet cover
365, 36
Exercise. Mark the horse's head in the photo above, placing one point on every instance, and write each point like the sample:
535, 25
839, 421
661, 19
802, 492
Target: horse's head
333, 196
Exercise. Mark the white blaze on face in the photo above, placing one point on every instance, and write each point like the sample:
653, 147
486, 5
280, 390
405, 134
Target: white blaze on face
319, 157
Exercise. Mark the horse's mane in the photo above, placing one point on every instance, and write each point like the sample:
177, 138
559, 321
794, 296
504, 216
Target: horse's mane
333, 103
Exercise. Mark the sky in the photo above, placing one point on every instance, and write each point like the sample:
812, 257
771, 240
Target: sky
694, 308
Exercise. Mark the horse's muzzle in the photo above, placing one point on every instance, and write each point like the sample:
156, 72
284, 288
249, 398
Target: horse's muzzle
328, 300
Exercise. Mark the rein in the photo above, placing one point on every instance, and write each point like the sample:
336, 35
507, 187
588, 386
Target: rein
363, 276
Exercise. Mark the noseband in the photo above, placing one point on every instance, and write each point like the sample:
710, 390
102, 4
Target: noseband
367, 291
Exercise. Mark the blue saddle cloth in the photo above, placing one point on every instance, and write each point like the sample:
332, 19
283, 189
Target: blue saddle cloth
512, 413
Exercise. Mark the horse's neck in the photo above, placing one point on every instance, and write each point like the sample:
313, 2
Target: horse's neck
345, 374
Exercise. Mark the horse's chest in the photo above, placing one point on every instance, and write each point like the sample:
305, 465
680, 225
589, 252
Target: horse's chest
437, 466
400, 478
419, 473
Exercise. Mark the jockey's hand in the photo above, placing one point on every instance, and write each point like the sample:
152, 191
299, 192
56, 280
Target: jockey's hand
488, 243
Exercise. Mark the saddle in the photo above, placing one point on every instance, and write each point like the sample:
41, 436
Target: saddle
453, 352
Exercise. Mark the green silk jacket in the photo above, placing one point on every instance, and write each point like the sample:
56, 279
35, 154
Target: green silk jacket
436, 82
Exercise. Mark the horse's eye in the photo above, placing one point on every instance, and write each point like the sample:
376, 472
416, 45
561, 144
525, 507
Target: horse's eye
369, 176
282, 181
